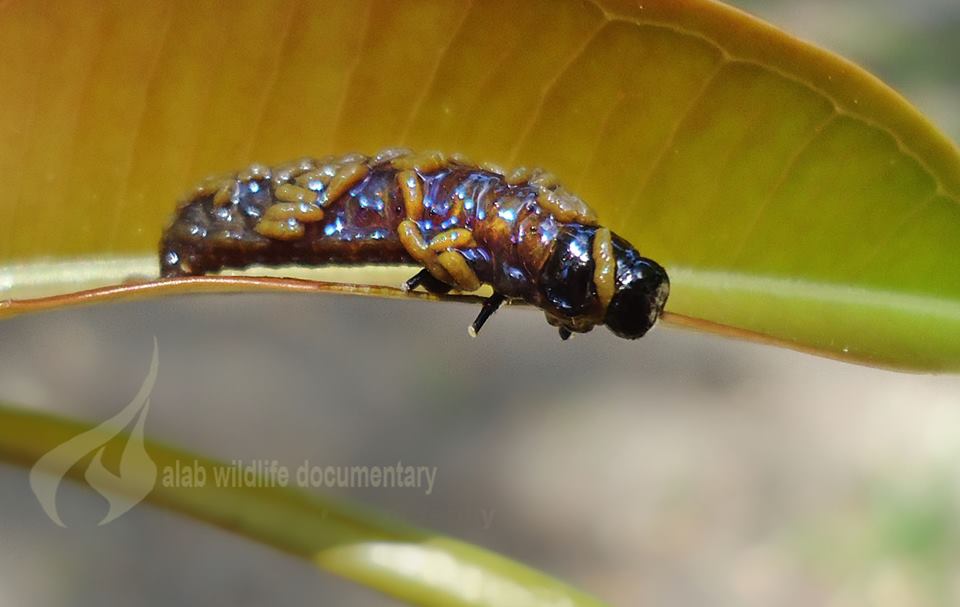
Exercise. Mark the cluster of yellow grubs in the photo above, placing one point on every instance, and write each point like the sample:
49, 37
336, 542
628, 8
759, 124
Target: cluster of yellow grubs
302, 189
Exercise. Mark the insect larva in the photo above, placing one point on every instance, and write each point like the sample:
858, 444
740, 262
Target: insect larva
521, 233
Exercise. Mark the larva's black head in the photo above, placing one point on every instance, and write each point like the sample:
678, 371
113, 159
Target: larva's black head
569, 290
566, 280
642, 288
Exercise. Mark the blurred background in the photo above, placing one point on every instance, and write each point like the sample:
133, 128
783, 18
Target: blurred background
681, 470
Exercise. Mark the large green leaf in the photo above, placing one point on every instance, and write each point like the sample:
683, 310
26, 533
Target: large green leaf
792, 196
416, 566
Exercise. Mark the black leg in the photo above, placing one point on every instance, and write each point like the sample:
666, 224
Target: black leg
490, 305
565, 333
425, 279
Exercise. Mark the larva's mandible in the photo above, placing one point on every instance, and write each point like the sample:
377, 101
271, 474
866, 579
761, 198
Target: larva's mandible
519, 232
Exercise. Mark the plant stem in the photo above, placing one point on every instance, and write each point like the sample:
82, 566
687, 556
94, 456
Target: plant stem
410, 564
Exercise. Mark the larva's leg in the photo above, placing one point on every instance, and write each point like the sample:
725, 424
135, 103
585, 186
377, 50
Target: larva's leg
416, 246
555, 321
433, 277
490, 305
440, 257
428, 281
447, 245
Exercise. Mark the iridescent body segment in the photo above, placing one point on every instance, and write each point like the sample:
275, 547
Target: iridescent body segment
466, 225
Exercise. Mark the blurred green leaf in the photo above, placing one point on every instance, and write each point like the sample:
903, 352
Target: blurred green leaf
413, 565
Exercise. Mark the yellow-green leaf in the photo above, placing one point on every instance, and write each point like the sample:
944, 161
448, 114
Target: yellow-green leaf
416, 566
792, 196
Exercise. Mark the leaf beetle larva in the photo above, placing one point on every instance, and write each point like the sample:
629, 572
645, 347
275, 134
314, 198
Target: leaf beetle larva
467, 225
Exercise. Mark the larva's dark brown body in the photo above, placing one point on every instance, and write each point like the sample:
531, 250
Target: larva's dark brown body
465, 224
